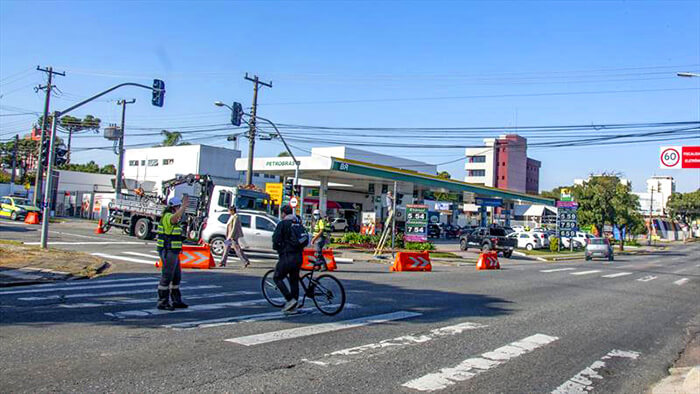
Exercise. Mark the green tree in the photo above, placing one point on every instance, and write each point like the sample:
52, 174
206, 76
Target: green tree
108, 169
603, 199
26, 150
283, 154
444, 174
554, 193
684, 206
76, 125
172, 138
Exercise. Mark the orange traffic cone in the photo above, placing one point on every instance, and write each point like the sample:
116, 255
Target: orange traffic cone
32, 218
99, 229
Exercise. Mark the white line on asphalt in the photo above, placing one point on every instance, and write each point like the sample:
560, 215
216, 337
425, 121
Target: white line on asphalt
71, 288
471, 367
77, 235
617, 275
90, 243
304, 331
149, 300
125, 292
84, 282
150, 256
647, 278
343, 260
557, 270
129, 259
681, 282
373, 349
582, 383
227, 321
585, 272
194, 308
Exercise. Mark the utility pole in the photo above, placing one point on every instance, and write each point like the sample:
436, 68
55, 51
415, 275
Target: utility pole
651, 216
44, 123
14, 164
120, 163
251, 130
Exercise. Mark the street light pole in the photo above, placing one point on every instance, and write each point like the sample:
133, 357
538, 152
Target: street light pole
120, 162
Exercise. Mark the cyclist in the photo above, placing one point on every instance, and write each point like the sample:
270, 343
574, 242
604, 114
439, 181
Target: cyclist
322, 234
286, 241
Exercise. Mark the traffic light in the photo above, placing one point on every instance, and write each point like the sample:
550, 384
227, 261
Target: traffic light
399, 197
236, 114
297, 190
45, 145
60, 156
158, 93
289, 187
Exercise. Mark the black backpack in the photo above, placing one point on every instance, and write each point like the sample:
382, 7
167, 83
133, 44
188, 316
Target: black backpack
298, 236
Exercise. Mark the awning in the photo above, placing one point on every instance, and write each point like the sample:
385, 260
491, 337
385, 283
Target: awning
331, 204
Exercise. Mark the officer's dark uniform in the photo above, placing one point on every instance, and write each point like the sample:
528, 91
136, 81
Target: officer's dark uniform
169, 247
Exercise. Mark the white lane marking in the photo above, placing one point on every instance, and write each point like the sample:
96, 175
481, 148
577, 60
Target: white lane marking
84, 282
647, 278
582, 383
299, 332
149, 300
585, 272
150, 256
373, 349
680, 270
153, 283
193, 308
681, 282
129, 259
228, 321
111, 293
92, 243
471, 367
344, 260
557, 270
77, 235
617, 275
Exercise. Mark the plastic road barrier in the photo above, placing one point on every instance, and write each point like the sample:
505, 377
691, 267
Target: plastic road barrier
412, 261
195, 256
32, 218
310, 258
488, 261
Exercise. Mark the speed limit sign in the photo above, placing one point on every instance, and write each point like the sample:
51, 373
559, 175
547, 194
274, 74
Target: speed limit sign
670, 157
293, 202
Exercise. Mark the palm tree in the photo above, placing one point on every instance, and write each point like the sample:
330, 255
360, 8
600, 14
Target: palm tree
172, 138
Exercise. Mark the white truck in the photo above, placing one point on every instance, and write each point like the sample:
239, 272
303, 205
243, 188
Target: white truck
138, 214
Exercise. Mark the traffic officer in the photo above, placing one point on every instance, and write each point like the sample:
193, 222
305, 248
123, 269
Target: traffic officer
321, 236
169, 247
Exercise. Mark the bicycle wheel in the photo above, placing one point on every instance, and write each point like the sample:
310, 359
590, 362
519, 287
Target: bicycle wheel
328, 294
270, 291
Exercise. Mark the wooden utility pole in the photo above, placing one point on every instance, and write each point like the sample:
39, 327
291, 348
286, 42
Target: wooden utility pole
251, 130
44, 123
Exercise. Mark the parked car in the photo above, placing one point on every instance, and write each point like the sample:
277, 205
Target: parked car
488, 238
16, 208
257, 231
599, 247
527, 241
451, 231
518, 228
543, 234
580, 237
434, 231
339, 224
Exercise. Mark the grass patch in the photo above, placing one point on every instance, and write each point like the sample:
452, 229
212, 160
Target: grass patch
9, 242
547, 252
447, 255
16, 255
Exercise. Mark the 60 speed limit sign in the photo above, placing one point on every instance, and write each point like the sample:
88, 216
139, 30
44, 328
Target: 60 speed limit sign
670, 157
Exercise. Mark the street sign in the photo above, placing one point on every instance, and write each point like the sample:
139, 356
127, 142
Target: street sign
565, 194
489, 202
679, 157
567, 219
567, 204
275, 192
293, 202
416, 223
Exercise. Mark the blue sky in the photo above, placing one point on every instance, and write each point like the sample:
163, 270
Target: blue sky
451, 54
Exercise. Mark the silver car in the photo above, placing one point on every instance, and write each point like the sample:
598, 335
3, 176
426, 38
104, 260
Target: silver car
257, 231
599, 247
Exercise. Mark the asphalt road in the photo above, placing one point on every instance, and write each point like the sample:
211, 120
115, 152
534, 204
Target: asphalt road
529, 327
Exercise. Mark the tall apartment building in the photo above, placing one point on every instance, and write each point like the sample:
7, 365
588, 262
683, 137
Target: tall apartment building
503, 163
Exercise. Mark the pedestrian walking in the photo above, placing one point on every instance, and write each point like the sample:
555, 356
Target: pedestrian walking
321, 237
169, 246
289, 240
234, 232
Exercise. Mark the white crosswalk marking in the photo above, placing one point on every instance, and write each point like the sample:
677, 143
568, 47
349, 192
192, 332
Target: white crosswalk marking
585, 272
617, 275
471, 367
298, 332
71, 288
557, 270
109, 293
583, 383
647, 278
83, 282
194, 308
365, 351
150, 300
91, 243
681, 282
231, 320
129, 259
149, 255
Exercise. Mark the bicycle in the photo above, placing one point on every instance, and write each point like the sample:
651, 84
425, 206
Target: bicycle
326, 291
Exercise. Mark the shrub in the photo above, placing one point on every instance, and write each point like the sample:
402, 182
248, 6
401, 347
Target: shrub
419, 246
554, 244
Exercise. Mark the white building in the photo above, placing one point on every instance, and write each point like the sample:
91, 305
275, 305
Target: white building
659, 189
158, 164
